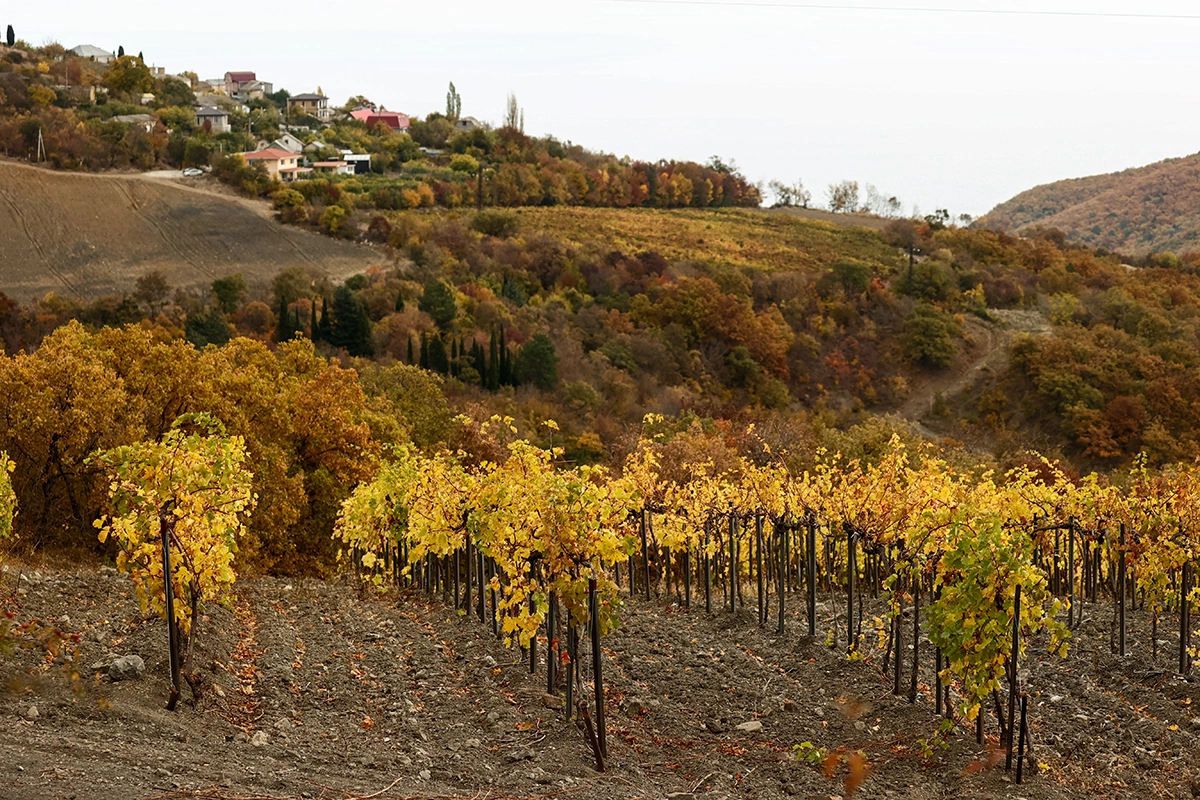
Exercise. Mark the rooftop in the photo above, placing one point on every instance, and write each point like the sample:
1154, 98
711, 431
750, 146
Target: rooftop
269, 153
209, 111
90, 51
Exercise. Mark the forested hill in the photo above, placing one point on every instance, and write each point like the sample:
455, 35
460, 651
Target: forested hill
1148, 209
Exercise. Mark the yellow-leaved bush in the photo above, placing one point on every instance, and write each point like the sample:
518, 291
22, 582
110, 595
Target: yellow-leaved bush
8, 498
192, 483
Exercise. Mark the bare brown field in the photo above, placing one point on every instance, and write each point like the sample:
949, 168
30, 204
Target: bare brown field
87, 235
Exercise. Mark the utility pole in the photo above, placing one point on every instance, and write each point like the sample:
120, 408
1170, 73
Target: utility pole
41, 153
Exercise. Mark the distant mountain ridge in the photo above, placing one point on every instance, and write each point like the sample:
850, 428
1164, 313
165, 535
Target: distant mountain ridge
1136, 211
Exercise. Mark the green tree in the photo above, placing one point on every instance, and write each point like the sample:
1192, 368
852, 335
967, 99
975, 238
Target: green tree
351, 325
229, 291
10, 37
436, 358
453, 101
438, 302
537, 363
928, 336
208, 327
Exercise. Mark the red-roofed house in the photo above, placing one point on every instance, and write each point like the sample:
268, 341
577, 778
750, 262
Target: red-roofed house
235, 80
393, 119
279, 163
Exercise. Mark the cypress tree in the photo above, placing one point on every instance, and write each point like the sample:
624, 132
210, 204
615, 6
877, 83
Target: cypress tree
437, 355
424, 350
454, 356
410, 350
120, 51
505, 363
314, 325
297, 325
326, 320
282, 334
399, 301
493, 365
351, 325
10, 36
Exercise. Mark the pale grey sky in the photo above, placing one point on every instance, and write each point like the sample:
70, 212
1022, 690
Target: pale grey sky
941, 109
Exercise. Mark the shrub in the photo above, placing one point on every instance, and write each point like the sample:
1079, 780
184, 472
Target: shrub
496, 222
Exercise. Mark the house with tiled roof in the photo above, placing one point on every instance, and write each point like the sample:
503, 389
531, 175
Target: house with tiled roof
235, 80
279, 163
393, 119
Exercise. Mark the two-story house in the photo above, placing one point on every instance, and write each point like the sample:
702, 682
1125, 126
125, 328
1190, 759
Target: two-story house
279, 163
235, 80
308, 105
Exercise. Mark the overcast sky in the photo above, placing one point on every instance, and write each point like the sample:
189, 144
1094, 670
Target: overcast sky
941, 109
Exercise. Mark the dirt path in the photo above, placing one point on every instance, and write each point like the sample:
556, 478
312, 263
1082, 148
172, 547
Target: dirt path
990, 341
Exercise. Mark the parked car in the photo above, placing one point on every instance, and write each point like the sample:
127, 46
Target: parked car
192, 172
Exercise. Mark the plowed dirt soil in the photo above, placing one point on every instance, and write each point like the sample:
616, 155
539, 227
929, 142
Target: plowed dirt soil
86, 235
324, 690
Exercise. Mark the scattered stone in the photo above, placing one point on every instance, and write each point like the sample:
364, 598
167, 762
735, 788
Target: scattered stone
493, 717
552, 701
491, 662
1056, 698
1196, 786
424, 775
525, 754
635, 707
680, 796
283, 724
30, 713
539, 775
259, 739
162, 772
714, 726
789, 705
751, 726
473, 743
127, 668
63, 622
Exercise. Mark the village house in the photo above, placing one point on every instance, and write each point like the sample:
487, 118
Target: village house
144, 121
217, 119
254, 90
92, 52
393, 119
287, 141
333, 168
467, 124
279, 163
235, 80
308, 105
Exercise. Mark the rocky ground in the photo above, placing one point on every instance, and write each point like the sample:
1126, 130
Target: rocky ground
322, 690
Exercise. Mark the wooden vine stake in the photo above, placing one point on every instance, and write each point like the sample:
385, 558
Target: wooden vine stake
172, 625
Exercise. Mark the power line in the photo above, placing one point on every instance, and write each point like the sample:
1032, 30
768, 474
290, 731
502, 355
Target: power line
910, 9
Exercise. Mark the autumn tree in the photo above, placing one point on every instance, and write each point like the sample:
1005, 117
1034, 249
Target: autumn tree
152, 289
128, 75
453, 103
929, 335
514, 115
843, 197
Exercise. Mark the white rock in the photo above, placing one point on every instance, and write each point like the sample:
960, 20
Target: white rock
259, 739
127, 668
424, 775
30, 713
751, 726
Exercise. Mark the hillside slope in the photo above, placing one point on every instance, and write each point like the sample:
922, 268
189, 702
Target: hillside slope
1136, 211
88, 235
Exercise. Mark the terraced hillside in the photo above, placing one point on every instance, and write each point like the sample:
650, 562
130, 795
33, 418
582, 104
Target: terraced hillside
94, 234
